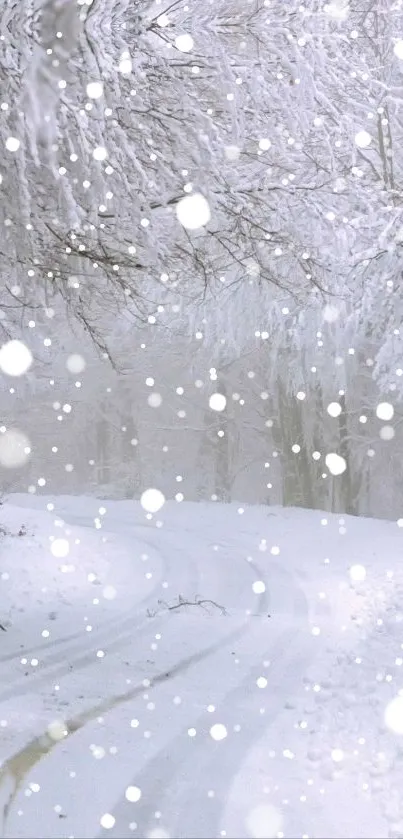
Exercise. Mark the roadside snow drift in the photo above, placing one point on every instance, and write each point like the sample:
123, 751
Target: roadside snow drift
207, 670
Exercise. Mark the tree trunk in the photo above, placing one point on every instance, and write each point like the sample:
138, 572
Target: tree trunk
102, 445
297, 477
204, 463
130, 457
222, 452
348, 487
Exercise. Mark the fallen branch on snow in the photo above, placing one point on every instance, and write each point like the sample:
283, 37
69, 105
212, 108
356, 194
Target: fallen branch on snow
198, 601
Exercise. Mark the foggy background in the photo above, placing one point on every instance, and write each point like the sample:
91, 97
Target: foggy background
285, 119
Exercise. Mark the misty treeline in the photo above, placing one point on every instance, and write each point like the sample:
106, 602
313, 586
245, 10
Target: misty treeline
287, 119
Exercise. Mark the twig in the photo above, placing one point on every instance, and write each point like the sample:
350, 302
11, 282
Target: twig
196, 602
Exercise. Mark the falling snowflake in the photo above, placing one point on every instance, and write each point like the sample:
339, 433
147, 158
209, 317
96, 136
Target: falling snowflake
163, 20
125, 65
154, 400
363, 139
218, 731
133, 794
330, 313
15, 358
98, 752
15, 448
387, 432
264, 821
232, 152
193, 211
335, 463
57, 730
75, 363
334, 409
184, 43
95, 90
60, 548
264, 144
100, 153
152, 500
12, 144
394, 715
358, 573
398, 49
385, 411
107, 821
217, 402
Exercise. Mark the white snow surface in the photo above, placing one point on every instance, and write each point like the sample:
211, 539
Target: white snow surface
259, 711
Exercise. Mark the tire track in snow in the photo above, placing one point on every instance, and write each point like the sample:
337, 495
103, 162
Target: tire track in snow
18, 766
87, 651
81, 651
107, 625
210, 573
174, 780
50, 666
215, 763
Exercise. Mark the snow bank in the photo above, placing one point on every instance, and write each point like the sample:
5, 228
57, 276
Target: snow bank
44, 563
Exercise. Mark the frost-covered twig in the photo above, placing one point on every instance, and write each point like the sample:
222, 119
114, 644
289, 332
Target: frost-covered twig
198, 601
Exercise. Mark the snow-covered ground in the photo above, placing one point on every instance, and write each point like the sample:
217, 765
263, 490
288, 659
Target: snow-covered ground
209, 671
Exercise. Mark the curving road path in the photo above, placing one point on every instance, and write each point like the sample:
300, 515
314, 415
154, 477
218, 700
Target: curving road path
184, 696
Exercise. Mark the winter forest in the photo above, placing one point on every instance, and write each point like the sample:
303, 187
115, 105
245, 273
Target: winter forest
201, 237
201, 419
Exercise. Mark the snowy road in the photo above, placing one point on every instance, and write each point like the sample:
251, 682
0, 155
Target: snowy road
187, 721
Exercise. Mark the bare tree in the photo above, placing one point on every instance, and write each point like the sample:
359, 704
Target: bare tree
114, 111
